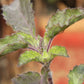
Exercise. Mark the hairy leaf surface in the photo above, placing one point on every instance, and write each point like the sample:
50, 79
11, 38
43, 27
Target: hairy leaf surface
62, 19
20, 16
76, 76
45, 57
58, 51
27, 78
29, 56
52, 53
15, 42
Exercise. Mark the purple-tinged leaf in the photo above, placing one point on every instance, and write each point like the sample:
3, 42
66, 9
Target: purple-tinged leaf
27, 78
20, 16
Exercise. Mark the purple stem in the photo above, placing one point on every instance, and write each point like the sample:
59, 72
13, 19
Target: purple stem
49, 44
41, 45
32, 49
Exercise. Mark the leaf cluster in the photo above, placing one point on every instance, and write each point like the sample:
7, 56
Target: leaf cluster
20, 16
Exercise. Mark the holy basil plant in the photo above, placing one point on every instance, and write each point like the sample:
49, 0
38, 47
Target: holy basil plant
20, 16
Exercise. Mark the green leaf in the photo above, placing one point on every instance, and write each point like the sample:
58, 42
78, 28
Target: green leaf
15, 42
76, 76
47, 42
29, 39
11, 43
58, 51
52, 53
28, 78
45, 57
29, 56
20, 16
63, 19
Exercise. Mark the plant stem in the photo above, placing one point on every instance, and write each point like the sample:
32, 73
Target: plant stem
43, 79
49, 45
41, 45
46, 77
32, 49
50, 78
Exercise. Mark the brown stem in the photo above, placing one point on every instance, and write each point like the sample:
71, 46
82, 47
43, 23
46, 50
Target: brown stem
46, 77
50, 78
